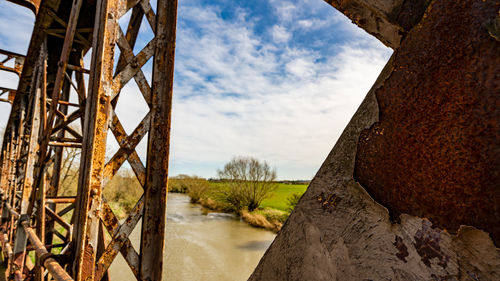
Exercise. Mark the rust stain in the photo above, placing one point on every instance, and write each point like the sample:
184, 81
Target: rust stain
88, 267
328, 202
435, 151
402, 249
427, 245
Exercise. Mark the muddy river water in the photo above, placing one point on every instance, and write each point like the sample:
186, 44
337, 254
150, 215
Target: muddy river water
202, 246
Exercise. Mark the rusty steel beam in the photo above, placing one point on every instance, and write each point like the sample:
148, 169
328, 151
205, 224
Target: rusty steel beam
42, 124
63, 61
33, 85
18, 62
89, 196
155, 195
387, 20
54, 268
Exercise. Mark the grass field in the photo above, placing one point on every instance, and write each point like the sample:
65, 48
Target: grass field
279, 198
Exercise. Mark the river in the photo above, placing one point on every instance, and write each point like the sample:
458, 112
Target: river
202, 246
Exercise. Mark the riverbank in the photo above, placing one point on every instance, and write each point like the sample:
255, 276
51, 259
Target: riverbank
124, 190
202, 245
270, 215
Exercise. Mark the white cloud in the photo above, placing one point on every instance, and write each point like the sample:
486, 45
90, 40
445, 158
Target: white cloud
17, 24
301, 67
305, 23
312, 24
280, 34
238, 94
285, 105
286, 10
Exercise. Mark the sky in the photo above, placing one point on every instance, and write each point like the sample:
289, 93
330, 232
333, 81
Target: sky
277, 80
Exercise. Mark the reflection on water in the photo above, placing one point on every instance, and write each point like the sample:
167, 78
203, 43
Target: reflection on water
199, 246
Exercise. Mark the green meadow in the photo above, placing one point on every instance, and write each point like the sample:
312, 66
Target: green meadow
279, 198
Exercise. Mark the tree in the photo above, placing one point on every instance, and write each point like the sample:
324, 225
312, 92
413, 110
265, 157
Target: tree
293, 200
69, 171
196, 187
248, 182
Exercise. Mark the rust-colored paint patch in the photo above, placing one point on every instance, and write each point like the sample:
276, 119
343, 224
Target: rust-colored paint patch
328, 202
436, 151
88, 267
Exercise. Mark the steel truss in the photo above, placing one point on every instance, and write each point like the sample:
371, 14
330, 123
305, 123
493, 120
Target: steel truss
45, 120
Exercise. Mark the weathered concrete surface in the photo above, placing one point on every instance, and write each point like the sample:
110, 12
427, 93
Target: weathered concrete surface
339, 232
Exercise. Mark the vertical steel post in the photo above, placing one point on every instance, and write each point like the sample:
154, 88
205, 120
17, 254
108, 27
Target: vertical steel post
94, 143
153, 222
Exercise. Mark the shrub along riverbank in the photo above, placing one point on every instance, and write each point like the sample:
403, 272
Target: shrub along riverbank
123, 191
271, 214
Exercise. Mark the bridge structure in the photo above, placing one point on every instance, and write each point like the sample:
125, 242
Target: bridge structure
409, 192
61, 103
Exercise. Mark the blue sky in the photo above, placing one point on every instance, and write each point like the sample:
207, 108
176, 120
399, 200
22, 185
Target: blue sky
276, 80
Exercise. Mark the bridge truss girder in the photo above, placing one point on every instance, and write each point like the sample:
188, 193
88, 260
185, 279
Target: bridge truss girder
44, 121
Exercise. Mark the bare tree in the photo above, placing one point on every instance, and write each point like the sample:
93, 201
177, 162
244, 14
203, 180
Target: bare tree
249, 182
69, 173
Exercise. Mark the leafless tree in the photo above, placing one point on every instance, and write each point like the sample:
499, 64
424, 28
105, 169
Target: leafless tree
249, 182
70, 167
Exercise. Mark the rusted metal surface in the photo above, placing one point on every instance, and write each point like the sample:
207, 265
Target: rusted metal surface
64, 32
57, 272
119, 238
13, 63
17, 59
434, 152
387, 20
89, 196
62, 199
155, 193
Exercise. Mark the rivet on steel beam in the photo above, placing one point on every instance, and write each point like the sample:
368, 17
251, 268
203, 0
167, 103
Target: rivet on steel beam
134, 63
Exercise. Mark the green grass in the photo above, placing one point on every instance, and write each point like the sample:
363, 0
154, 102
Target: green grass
278, 199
